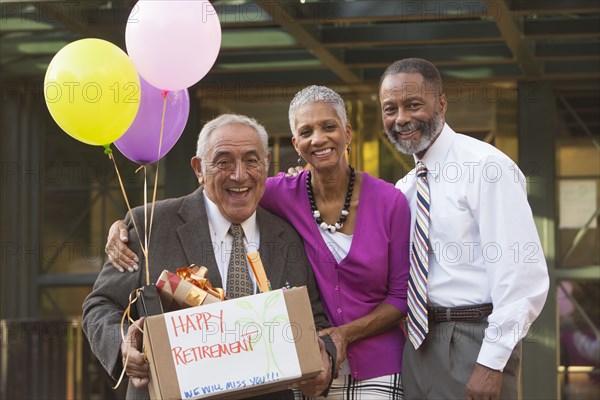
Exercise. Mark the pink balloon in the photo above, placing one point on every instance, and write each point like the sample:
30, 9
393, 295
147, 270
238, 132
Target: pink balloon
173, 44
141, 141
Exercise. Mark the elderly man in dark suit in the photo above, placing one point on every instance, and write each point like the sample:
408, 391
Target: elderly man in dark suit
232, 161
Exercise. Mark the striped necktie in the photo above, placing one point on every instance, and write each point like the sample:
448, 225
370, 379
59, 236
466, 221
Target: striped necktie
239, 282
419, 267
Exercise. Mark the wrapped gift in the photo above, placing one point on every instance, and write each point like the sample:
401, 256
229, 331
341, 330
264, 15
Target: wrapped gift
188, 287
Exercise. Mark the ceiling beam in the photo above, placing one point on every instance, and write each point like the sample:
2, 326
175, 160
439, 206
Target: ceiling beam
80, 20
567, 49
266, 80
464, 53
584, 27
264, 55
519, 7
411, 33
384, 10
514, 40
280, 14
569, 67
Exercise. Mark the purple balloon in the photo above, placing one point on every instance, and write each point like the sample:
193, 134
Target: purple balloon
140, 142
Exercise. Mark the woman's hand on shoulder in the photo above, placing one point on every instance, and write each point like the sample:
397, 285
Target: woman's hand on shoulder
294, 171
121, 257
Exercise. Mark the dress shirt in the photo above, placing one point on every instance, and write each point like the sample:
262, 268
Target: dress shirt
484, 244
222, 241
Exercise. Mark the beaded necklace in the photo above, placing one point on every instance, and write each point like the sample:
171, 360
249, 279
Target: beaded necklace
344, 214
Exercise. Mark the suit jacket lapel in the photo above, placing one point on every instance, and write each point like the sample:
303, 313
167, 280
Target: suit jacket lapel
272, 247
195, 238
194, 235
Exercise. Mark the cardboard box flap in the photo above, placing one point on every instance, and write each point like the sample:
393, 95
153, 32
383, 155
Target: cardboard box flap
307, 345
162, 367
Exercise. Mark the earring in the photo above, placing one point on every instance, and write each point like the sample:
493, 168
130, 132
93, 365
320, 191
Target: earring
349, 149
300, 159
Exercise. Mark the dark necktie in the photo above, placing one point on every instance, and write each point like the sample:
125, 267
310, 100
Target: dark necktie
239, 282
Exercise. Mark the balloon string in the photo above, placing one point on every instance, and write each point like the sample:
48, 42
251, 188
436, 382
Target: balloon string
108, 152
127, 315
160, 139
146, 234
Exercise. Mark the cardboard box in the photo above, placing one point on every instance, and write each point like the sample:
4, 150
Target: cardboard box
233, 349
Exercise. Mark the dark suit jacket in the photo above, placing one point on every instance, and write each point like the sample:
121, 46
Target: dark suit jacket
180, 237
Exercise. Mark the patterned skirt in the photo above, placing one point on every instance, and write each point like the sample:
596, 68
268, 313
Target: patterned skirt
388, 387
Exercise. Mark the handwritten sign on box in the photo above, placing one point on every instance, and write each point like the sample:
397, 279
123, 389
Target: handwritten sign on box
256, 344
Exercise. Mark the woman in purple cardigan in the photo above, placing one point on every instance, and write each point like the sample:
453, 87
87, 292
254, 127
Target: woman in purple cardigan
356, 235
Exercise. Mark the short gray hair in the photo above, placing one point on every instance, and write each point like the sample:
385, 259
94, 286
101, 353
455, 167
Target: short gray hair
317, 94
229, 119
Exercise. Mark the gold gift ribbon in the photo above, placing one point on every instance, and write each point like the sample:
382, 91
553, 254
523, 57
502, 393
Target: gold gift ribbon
196, 276
133, 297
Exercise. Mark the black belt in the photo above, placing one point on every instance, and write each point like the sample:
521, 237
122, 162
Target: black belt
473, 313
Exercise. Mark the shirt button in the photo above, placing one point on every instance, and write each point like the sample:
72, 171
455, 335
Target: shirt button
339, 310
337, 287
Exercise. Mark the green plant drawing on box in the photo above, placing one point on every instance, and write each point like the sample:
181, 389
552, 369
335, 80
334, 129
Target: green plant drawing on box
262, 319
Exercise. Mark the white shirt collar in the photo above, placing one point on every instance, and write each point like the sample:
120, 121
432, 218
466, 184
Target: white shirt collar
220, 224
436, 154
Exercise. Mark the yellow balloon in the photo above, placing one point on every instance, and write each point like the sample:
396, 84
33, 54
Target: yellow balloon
92, 90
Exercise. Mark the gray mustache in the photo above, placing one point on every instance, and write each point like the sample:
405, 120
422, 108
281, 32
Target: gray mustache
407, 128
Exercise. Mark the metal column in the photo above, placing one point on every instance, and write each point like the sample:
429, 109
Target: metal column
537, 160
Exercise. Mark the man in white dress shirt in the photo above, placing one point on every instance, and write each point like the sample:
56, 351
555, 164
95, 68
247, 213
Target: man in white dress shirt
487, 278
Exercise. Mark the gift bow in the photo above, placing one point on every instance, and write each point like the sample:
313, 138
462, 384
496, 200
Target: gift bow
196, 276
